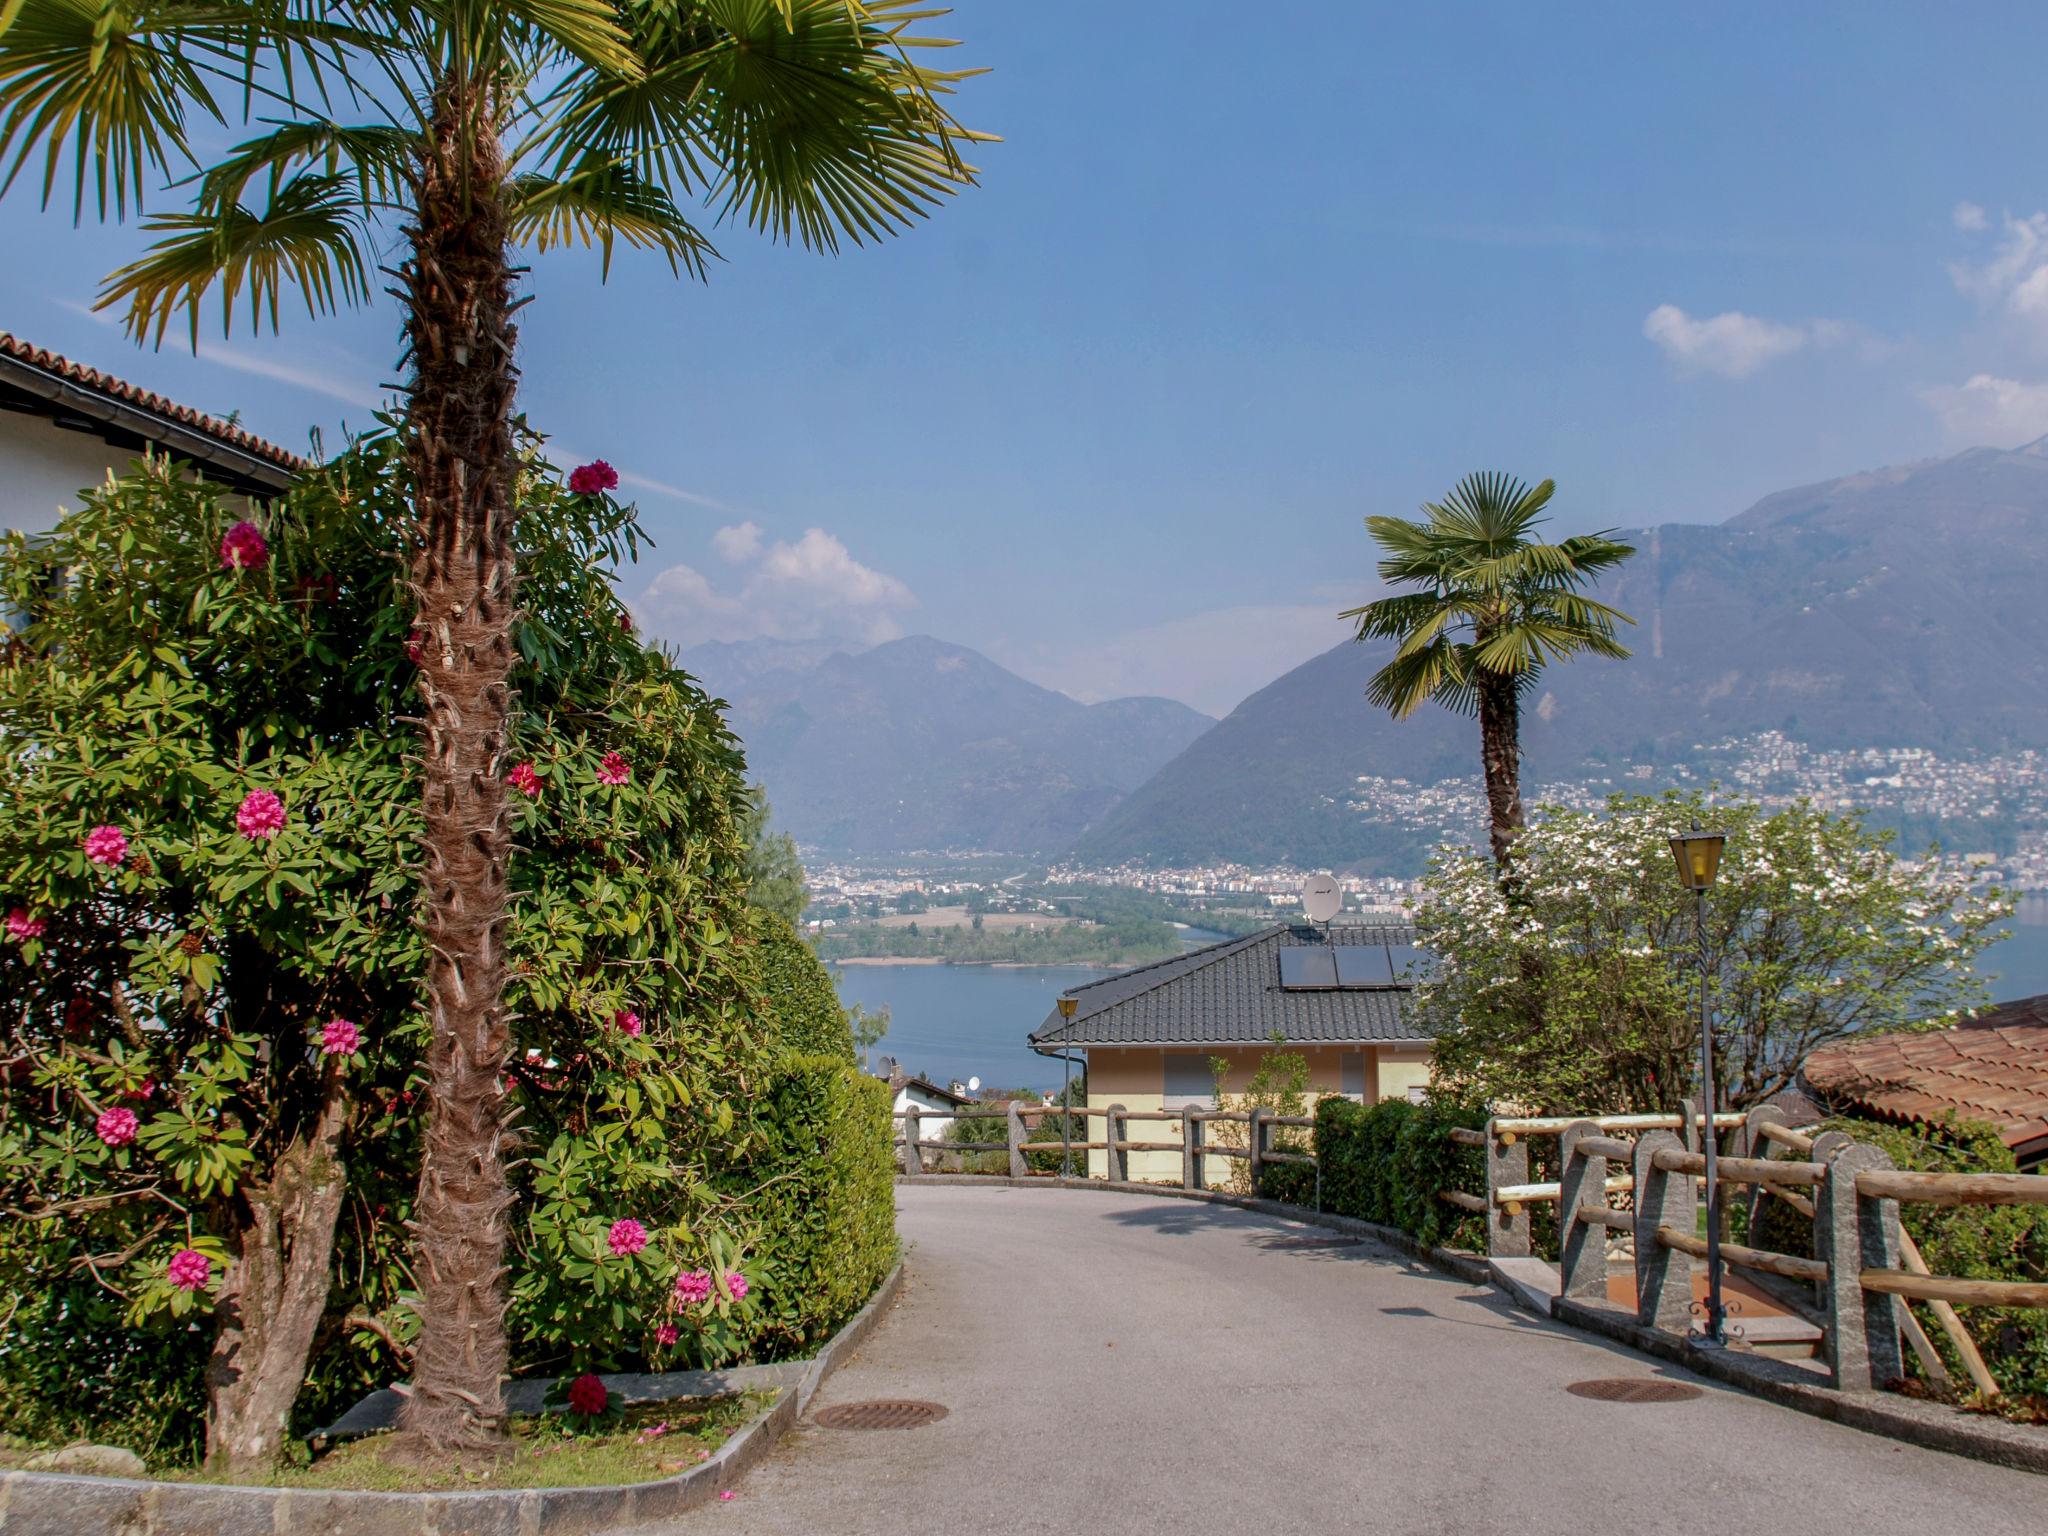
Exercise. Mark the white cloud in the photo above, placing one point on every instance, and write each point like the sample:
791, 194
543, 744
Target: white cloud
1970, 217
1211, 661
811, 589
1990, 411
1731, 344
738, 543
2013, 279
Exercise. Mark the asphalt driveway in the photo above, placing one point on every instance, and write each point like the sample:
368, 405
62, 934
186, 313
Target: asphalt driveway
1117, 1363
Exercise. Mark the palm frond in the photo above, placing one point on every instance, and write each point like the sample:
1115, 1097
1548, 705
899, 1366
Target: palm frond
308, 237
108, 87
376, 156
823, 124
600, 203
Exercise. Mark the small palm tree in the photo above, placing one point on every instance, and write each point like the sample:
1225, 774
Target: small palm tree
1490, 609
464, 128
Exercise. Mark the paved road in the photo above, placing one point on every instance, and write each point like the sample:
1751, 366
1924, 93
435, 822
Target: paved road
1125, 1363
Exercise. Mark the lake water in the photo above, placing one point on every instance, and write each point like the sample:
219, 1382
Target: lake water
964, 1021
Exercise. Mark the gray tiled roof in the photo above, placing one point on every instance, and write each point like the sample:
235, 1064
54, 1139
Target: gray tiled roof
1229, 994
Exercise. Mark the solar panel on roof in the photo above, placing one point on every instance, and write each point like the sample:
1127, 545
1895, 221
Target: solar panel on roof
1307, 967
1363, 965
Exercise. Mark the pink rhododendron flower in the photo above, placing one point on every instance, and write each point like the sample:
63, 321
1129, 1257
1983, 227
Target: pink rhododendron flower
525, 780
629, 1021
693, 1286
627, 1237
340, 1038
189, 1270
587, 1396
116, 1127
242, 548
666, 1334
736, 1285
107, 845
725, 1497
146, 1091
21, 927
261, 815
614, 769
589, 479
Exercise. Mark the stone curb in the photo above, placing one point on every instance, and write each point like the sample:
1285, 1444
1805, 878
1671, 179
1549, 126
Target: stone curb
58, 1504
1933, 1425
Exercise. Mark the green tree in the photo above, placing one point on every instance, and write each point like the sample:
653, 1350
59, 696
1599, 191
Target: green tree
775, 875
1814, 931
869, 1025
1489, 609
206, 827
470, 128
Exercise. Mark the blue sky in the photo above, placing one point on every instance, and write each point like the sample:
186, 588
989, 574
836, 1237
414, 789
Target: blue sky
1238, 276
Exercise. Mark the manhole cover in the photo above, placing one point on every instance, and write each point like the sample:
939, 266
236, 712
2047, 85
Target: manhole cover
1632, 1389
883, 1413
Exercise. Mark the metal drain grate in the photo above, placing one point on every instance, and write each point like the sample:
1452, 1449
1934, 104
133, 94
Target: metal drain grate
882, 1413
1632, 1389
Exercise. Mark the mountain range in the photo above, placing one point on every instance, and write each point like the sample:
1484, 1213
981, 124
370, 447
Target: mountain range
1897, 607
918, 746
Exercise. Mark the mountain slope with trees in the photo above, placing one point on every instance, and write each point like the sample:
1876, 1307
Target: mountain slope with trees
1892, 608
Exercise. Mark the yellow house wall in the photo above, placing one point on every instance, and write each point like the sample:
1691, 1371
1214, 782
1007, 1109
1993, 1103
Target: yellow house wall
1135, 1077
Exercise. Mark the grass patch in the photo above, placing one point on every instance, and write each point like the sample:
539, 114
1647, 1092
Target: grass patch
640, 1444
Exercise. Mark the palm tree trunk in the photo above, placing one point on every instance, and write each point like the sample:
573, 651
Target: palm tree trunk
1500, 751
458, 291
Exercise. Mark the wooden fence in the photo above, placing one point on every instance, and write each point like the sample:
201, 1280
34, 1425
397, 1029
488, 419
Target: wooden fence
1855, 1290
1194, 1144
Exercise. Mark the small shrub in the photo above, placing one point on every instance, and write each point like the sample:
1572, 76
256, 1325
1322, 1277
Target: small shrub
1386, 1162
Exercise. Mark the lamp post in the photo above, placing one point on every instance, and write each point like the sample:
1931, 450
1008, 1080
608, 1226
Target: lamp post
1699, 861
1067, 1007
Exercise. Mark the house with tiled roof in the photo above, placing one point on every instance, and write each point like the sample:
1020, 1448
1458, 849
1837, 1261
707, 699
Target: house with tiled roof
1339, 995
1993, 1068
64, 425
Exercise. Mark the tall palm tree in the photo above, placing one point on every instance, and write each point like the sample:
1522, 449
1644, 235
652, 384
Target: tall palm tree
464, 128
1489, 610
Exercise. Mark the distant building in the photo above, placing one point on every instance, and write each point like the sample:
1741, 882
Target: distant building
1339, 995
936, 1106
1993, 1068
63, 426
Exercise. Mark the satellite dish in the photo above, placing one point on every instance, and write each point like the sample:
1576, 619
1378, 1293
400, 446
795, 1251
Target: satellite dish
974, 1085
1320, 898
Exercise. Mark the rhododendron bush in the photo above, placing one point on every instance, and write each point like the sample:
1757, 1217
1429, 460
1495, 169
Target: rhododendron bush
1574, 987
210, 965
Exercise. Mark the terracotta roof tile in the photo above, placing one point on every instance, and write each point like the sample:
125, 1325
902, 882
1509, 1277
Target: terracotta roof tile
147, 400
1993, 1067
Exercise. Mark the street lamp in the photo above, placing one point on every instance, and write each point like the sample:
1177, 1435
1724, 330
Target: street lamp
1068, 1005
1699, 861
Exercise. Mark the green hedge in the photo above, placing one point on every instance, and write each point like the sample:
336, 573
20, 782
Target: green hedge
824, 1201
809, 1020
1385, 1162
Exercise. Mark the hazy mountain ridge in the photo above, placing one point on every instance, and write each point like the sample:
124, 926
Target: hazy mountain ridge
920, 745
1894, 607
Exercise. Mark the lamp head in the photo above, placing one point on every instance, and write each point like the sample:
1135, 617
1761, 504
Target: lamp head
1699, 857
1068, 1005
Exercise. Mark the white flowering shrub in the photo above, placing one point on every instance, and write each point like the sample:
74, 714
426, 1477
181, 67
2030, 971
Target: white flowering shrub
1575, 987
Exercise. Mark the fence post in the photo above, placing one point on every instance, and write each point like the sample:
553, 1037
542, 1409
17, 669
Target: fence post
913, 1154
1663, 1275
1582, 1246
1507, 1162
1018, 1167
1254, 1147
1191, 1169
1119, 1162
1689, 1132
1755, 1144
1852, 1233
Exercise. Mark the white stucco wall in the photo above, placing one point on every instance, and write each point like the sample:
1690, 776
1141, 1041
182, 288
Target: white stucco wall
44, 467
